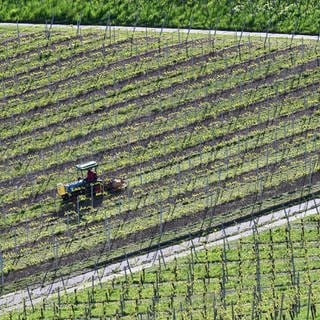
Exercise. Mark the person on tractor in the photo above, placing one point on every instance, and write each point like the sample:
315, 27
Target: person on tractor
91, 176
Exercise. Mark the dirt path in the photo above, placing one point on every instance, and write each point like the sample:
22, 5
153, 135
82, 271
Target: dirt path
35, 295
237, 34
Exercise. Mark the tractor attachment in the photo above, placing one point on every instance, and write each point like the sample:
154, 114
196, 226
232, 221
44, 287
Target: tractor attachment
116, 185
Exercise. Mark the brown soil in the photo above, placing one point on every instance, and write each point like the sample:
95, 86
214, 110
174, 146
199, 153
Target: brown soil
176, 225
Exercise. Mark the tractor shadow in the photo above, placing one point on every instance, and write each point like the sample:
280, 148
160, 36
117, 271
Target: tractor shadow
74, 211
79, 208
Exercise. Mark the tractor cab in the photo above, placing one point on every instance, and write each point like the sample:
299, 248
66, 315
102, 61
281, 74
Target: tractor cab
88, 183
91, 171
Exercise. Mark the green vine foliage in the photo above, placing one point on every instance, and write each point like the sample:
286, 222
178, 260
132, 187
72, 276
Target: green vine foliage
207, 129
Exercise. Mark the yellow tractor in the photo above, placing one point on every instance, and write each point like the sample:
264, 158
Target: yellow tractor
89, 184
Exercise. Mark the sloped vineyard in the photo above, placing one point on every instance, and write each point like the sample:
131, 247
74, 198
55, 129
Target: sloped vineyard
206, 130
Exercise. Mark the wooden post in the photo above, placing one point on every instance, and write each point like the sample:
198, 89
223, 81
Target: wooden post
92, 200
18, 34
107, 229
78, 209
1, 268
161, 221
30, 298
309, 301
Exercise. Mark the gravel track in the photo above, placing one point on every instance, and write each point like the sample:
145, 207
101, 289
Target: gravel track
173, 225
136, 263
209, 32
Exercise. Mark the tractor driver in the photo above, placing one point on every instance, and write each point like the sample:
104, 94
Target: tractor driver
91, 176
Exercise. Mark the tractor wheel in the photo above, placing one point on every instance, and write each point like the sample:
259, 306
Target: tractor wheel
73, 199
97, 189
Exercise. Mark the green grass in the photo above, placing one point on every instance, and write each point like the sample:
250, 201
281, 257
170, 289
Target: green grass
278, 16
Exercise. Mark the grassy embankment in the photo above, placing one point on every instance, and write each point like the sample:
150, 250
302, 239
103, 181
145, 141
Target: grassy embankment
274, 16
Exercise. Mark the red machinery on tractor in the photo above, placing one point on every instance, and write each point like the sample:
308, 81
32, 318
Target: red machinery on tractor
90, 185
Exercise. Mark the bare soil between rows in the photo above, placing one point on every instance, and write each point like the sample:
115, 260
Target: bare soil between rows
86, 53
179, 225
92, 91
141, 76
90, 116
104, 68
142, 192
33, 199
20, 180
176, 225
